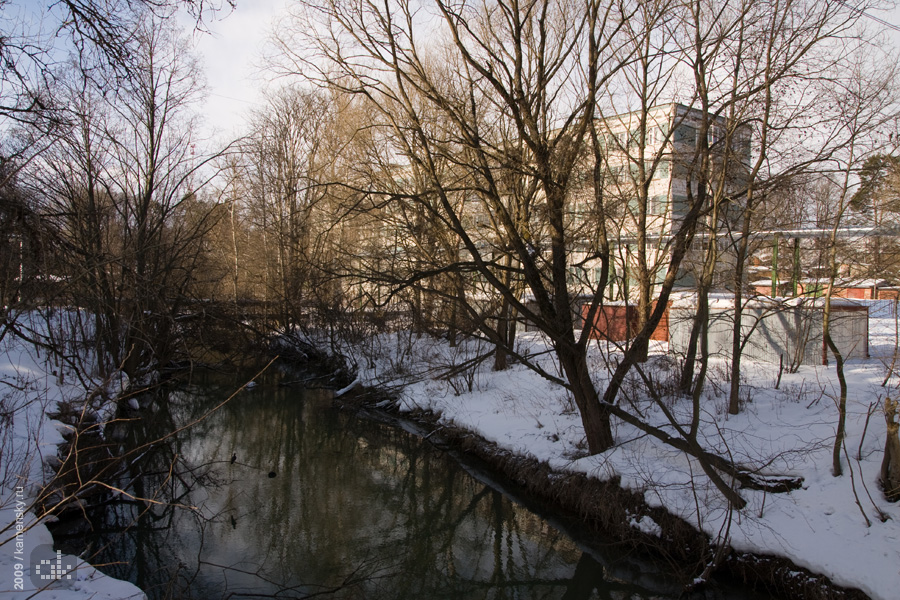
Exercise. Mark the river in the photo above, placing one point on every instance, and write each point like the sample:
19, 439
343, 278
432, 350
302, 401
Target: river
280, 494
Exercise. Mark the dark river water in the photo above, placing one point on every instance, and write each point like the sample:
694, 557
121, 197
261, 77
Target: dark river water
321, 503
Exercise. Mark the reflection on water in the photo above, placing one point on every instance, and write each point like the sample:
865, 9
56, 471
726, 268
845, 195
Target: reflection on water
293, 497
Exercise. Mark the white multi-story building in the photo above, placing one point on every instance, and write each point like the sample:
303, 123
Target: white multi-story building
654, 164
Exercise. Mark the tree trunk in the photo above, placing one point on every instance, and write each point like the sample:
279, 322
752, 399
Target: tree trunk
734, 394
501, 359
890, 464
500, 354
687, 369
842, 400
594, 416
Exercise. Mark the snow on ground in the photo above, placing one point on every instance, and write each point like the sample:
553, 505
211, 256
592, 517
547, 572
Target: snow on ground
28, 389
837, 526
789, 429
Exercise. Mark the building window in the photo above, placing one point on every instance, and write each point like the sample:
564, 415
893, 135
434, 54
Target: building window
662, 169
685, 134
658, 205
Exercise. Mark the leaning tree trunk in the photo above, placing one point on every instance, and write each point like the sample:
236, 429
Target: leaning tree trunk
500, 350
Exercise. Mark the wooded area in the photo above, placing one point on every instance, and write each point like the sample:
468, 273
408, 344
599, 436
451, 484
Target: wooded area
450, 169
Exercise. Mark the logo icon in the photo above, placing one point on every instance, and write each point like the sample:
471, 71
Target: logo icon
48, 566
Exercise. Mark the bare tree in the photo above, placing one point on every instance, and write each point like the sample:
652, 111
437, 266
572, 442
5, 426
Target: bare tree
487, 128
98, 32
287, 153
509, 103
863, 96
757, 68
38, 44
120, 188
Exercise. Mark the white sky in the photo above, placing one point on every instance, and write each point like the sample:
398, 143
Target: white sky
232, 52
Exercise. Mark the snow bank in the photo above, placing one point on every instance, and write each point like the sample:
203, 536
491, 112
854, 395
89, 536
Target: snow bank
28, 389
822, 526
837, 526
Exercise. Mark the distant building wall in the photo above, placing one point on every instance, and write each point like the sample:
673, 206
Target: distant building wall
617, 322
794, 333
854, 292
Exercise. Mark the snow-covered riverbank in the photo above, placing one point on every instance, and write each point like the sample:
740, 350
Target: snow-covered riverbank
832, 526
840, 527
29, 389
